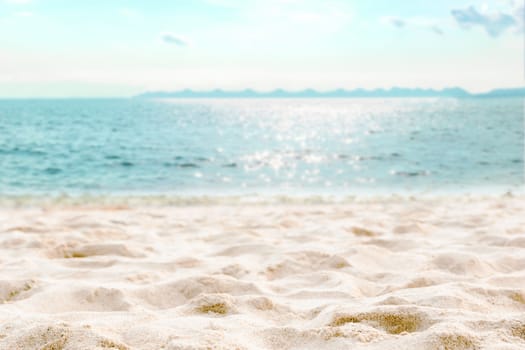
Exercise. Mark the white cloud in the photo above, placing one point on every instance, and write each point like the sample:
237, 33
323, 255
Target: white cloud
509, 16
394, 21
25, 14
129, 13
222, 3
495, 23
327, 15
416, 22
436, 29
173, 39
18, 2
519, 14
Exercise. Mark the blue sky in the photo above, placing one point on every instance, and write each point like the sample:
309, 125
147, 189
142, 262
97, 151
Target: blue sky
53, 48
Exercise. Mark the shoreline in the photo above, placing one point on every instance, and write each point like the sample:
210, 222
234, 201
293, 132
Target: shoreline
171, 200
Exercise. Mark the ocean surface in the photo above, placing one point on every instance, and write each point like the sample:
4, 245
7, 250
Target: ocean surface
263, 146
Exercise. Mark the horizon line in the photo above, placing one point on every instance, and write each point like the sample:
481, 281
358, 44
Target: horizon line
291, 93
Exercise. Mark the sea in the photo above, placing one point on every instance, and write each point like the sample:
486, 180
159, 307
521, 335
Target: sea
245, 147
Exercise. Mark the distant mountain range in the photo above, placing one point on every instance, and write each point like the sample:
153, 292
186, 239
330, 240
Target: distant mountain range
357, 93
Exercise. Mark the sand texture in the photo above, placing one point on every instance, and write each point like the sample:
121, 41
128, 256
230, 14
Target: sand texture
391, 273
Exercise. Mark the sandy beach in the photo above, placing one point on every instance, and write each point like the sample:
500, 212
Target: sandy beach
384, 273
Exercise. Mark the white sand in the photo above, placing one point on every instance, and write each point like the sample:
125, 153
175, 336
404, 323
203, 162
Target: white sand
375, 274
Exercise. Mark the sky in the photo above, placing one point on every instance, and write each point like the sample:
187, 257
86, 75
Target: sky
112, 48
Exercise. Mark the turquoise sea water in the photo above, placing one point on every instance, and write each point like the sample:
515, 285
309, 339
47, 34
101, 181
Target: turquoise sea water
276, 146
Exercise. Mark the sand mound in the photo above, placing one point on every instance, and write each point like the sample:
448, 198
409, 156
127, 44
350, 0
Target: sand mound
11, 291
394, 321
60, 337
173, 294
73, 251
450, 340
219, 304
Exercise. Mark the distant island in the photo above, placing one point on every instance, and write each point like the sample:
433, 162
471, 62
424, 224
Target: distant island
395, 92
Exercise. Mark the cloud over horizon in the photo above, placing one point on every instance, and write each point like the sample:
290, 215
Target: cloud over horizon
421, 23
494, 24
394, 21
172, 39
437, 30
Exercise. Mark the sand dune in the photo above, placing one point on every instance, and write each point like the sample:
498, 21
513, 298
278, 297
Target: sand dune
390, 273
